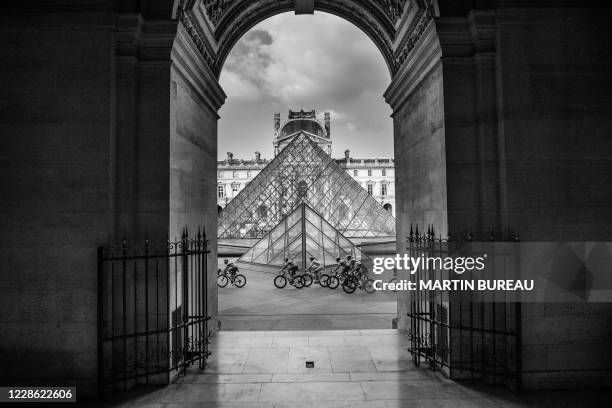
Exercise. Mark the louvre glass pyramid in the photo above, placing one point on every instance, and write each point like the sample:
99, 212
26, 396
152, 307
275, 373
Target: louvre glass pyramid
301, 234
302, 171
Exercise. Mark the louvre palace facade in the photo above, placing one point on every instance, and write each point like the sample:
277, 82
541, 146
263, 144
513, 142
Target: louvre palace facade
375, 175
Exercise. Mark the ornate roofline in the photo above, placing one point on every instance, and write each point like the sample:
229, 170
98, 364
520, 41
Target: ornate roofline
283, 124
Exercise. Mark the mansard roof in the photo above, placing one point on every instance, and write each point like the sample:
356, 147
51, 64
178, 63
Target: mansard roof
293, 126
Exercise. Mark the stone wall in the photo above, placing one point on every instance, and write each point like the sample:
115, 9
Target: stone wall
524, 146
57, 141
109, 132
195, 98
417, 97
554, 81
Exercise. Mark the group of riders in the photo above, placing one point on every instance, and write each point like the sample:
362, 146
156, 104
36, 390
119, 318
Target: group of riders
350, 273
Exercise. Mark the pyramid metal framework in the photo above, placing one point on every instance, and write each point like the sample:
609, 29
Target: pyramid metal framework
298, 236
302, 171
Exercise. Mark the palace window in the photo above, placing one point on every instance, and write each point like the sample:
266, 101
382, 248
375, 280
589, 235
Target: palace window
370, 189
383, 189
249, 174
221, 191
219, 174
235, 174
355, 173
370, 173
235, 188
384, 172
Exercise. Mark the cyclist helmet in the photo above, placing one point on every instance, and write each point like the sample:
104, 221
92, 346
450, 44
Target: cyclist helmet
312, 257
337, 259
348, 257
225, 261
286, 259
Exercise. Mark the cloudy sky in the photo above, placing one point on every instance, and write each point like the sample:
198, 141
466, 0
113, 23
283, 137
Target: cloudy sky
294, 62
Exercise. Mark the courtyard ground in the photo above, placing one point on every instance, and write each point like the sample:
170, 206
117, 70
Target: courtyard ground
261, 306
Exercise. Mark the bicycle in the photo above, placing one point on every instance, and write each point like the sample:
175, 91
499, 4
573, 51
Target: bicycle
280, 281
357, 278
332, 281
310, 277
236, 279
350, 283
364, 283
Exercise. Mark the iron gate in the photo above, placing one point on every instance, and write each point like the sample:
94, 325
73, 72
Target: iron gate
457, 333
152, 311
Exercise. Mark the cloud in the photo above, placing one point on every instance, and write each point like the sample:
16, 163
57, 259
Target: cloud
320, 62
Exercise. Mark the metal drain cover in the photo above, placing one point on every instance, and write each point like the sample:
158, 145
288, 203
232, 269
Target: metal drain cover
310, 364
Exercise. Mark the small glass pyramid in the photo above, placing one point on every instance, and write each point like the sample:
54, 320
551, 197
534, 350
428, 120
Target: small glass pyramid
298, 236
303, 172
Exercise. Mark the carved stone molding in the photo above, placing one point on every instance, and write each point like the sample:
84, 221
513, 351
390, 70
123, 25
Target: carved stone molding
394, 9
215, 9
194, 30
420, 24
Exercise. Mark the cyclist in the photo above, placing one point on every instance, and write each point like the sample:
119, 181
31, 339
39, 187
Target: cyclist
350, 263
230, 267
342, 266
360, 270
291, 267
315, 266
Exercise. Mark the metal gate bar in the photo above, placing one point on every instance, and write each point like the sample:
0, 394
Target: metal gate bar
147, 327
473, 338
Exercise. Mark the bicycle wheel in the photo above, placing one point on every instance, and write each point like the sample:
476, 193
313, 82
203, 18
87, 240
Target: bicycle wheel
333, 282
280, 281
298, 282
349, 285
323, 280
240, 280
222, 281
369, 286
307, 280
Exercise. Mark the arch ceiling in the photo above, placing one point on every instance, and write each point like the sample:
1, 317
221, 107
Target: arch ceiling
216, 25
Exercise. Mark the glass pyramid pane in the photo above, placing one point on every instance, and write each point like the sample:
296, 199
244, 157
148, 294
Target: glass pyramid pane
303, 172
314, 233
294, 253
258, 251
304, 239
294, 232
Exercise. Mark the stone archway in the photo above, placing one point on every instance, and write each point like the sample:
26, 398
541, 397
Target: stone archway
211, 28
